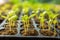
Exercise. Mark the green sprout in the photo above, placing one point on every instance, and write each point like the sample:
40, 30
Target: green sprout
14, 18
42, 19
52, 19
55, 21
25, 20
50, 14
11, 17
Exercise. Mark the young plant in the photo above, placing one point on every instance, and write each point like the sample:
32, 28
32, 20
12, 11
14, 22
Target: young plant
52, 19
12, 18
38, 12
55, 21
50, 14
25, 20
42, 19
11, 15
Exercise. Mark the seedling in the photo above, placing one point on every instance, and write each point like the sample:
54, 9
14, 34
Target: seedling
42, 19
12, 18
52, 19
25, 20
55, 21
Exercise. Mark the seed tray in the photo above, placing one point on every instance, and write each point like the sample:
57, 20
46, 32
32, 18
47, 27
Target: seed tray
39, 34
19, 28
37, 29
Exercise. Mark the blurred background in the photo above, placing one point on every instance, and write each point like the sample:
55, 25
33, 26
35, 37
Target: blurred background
43, 1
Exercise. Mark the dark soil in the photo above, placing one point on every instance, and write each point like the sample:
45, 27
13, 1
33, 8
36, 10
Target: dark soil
32, 32
48, 33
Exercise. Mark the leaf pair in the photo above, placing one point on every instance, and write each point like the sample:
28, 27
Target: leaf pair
26, 17
51, 15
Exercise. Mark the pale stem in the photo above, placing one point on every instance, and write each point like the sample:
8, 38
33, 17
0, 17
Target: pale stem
25, 26
10, 22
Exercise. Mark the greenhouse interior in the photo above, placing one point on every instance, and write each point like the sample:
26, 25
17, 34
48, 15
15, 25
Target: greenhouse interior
30, 18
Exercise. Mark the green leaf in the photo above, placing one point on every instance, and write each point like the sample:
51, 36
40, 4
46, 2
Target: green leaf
11, 13
14, 18
32, 15
42, 14
25, 18
55, 15
3, 17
